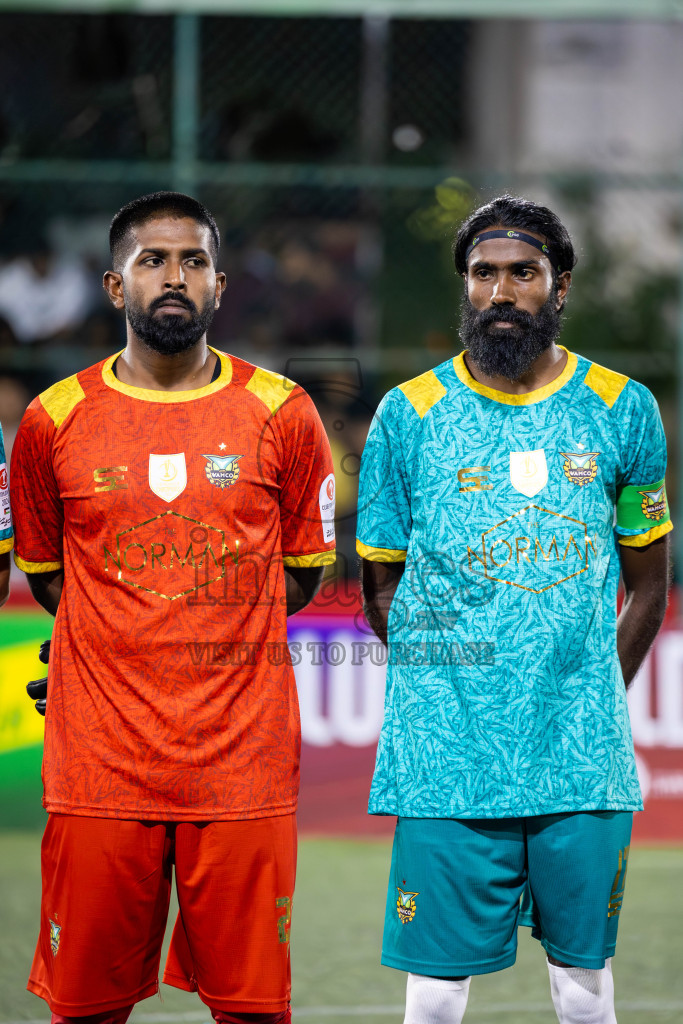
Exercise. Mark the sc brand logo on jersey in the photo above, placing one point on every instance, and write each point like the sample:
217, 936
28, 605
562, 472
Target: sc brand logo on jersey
110, 478
474, 478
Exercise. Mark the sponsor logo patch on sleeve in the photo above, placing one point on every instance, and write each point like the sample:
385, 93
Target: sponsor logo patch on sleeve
5, 514
326, 499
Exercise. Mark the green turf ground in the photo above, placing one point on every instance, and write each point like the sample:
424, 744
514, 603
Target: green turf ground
336, 936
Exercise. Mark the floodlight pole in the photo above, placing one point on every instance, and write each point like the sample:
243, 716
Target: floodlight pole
186, 110
374, 89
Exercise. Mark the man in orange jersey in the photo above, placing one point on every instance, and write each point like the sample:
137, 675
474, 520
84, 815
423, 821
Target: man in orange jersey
175, 504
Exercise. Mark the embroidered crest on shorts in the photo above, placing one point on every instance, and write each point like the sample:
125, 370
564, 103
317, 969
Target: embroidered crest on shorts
617, 895
653, 505
284, 919
55, 934
405, 905
222, 470
580, 468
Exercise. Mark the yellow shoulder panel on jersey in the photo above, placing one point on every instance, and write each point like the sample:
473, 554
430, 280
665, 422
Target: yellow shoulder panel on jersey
423, 392
606, 383
61, 398
272, 388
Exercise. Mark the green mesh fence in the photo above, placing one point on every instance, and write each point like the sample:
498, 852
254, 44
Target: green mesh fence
279, 90
336, 154
79, 87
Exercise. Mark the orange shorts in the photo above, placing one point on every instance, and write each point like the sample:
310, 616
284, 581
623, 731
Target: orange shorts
106, 891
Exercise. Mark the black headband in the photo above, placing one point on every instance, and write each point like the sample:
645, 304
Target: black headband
511, 233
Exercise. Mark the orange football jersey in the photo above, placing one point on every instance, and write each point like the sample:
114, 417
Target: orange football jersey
171, 694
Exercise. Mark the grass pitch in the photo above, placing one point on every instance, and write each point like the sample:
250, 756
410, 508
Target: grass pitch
336, 936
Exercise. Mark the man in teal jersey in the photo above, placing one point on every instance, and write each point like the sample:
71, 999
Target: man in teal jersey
502, 495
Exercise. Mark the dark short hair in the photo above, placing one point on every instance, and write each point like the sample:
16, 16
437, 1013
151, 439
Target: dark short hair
149, 207
515, 212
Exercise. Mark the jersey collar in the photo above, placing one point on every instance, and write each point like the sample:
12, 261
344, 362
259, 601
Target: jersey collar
529, 397
167, 397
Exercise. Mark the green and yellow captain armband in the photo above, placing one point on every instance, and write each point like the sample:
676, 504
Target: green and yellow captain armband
644, 513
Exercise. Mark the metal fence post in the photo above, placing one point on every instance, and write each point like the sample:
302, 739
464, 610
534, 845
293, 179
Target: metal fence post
186, 110
374, 95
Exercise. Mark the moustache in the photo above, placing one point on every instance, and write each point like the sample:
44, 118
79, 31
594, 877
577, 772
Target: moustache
172, 297
504, 314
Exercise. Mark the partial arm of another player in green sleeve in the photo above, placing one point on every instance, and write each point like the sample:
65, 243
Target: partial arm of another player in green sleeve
646, 575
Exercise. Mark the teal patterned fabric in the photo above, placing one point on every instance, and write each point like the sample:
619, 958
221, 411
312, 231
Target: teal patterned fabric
504, 693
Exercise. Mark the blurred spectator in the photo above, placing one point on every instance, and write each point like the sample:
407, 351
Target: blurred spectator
336, 387
304, 297
259, 128
8, 339
102, 333
14, 398
43, 295
315, 305
244, 320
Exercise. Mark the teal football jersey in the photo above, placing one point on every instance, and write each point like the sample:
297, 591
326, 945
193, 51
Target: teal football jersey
504, 691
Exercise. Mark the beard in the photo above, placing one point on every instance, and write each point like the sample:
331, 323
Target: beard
171, 333
508, 352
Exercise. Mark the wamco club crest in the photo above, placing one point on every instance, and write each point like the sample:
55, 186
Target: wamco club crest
580, 468
222, 470
405, 905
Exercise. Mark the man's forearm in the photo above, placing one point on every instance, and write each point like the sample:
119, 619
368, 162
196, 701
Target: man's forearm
46, 588
637, 626
301, 586
645, 572
378, 618
379, 582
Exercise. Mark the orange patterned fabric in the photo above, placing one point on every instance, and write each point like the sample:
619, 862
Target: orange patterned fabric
173, 513
106, 891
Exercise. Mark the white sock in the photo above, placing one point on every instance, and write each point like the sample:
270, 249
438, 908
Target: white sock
435, 1000
581, 996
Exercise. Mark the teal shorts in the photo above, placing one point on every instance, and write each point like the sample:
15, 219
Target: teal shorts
455, 887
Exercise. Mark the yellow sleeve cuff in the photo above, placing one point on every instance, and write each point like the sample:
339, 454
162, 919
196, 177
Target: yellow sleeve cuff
35, 566
6, 545
380, 554
310, 561
641, 540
